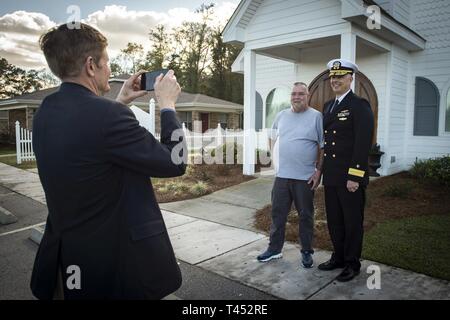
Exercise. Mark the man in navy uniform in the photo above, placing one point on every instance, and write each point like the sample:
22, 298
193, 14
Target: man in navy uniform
348, 124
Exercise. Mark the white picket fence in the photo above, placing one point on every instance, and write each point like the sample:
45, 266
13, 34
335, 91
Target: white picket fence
214, 138
196, 141
24, 146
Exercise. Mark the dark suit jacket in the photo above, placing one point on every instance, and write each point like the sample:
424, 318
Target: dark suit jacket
95, 164
348, 133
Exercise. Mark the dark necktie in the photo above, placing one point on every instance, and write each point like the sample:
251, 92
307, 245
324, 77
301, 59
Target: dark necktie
336, 102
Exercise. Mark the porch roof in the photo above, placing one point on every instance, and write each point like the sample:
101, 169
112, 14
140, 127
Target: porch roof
353, 11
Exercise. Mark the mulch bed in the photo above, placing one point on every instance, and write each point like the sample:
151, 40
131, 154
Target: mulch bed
215, 176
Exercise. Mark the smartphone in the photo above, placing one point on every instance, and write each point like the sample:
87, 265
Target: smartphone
148, 79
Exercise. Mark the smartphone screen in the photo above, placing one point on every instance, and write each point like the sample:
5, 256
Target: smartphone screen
148, 79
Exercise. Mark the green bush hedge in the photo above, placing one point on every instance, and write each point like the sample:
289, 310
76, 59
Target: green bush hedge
436, 170
237, 149
261, 156
199, 189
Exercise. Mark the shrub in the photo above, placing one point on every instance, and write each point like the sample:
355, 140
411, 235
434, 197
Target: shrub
199, 189
235, 147
197, 172
436, 171
162, 189
190, 171
175, 186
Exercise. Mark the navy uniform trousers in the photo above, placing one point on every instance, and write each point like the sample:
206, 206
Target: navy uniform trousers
345, 215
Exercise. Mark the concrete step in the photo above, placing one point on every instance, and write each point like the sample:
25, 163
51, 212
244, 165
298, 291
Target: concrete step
6, 217
37, 233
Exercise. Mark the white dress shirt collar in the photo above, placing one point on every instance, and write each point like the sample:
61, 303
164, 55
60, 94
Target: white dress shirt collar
343, 96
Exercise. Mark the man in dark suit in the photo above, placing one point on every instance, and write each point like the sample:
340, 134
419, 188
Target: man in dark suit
348, 124
105, 237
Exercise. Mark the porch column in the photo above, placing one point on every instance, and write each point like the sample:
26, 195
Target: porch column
348, 49
249, 112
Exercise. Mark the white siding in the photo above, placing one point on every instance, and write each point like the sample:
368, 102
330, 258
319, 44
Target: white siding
394, 120
386, 5
373, 64
314, 61
279, 17
249, 13
431, 19
272, 73
399, 9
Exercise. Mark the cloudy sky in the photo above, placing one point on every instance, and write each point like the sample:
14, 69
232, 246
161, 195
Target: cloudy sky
23, 21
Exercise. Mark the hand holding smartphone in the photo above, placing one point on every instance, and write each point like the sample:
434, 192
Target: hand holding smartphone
167, 90
148, 79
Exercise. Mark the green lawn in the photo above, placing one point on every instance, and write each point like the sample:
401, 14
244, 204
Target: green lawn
420, 244
12, 161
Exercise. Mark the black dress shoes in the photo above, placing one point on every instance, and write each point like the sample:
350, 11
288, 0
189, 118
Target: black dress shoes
330, 265
347, 274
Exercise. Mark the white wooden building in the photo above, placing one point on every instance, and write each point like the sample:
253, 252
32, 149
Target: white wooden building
404, 66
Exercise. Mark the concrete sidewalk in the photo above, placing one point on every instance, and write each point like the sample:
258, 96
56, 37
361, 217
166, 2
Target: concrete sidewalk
216, 233
25, 182
234, 206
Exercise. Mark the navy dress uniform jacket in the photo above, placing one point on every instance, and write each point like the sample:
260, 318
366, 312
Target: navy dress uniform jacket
348, 133
95, 162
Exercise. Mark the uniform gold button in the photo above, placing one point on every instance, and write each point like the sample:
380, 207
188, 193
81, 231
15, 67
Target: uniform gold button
357, 165
333, 143
334, 156
325, 142
334, 131
324, 154
326, 131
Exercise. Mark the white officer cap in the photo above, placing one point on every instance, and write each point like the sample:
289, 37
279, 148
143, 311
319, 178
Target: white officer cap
340, 67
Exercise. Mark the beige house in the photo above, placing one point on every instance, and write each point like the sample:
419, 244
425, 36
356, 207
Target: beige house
190, 107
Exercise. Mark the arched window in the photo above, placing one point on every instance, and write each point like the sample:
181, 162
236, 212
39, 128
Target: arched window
426, 108
447, 113
259, 112
277, 100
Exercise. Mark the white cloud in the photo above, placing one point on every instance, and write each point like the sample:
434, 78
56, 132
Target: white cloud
121, 26
20, 30
25, 22
19, 37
